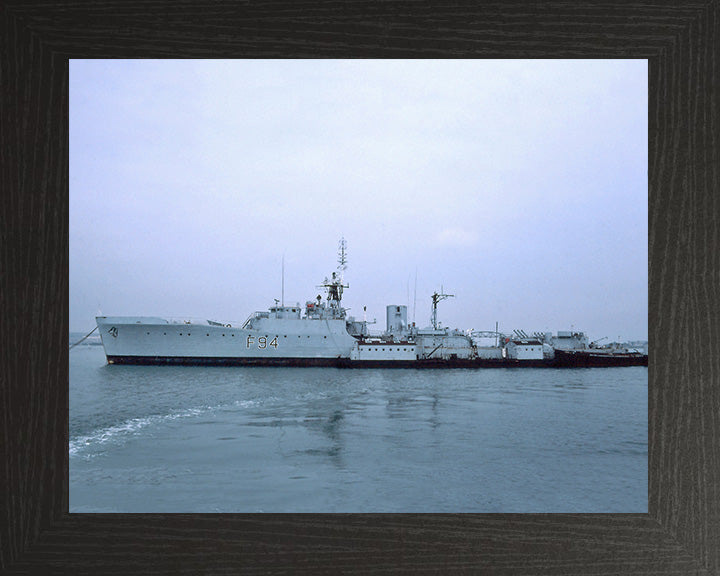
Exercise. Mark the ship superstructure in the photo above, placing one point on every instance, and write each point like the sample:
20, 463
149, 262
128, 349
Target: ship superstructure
321, 334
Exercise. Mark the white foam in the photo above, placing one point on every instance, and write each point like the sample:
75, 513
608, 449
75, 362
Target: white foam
118, 434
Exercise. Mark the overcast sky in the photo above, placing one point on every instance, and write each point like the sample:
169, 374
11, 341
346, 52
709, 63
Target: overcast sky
518, 186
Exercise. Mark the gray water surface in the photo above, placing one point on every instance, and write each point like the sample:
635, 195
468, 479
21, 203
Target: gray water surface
262, 439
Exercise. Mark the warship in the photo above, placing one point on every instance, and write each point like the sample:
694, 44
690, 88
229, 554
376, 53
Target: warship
320, 333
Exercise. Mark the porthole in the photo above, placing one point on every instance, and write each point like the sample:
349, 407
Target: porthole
207, 334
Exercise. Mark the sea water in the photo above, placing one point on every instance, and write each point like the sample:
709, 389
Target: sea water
267, 439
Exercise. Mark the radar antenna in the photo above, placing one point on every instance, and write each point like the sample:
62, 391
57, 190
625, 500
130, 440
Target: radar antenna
435, 299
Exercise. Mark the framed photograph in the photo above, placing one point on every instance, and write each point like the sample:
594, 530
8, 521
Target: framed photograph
672, 531
291, 205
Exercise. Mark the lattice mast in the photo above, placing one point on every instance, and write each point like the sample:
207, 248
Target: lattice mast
335, 285
342, 259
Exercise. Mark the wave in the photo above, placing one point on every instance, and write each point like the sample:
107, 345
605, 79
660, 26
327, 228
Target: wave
118, 434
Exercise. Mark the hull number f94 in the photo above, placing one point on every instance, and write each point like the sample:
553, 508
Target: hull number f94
262, 342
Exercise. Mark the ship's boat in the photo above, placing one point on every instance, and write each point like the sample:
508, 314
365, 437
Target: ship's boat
317, 334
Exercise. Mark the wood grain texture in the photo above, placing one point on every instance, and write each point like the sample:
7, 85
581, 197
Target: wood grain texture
681, 533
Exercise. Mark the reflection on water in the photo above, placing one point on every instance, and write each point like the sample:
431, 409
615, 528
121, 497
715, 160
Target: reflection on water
195, 439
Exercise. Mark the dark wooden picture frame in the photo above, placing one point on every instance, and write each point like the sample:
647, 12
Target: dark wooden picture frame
681, 532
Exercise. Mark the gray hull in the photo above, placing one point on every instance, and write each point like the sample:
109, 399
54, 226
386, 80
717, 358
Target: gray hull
141, 339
